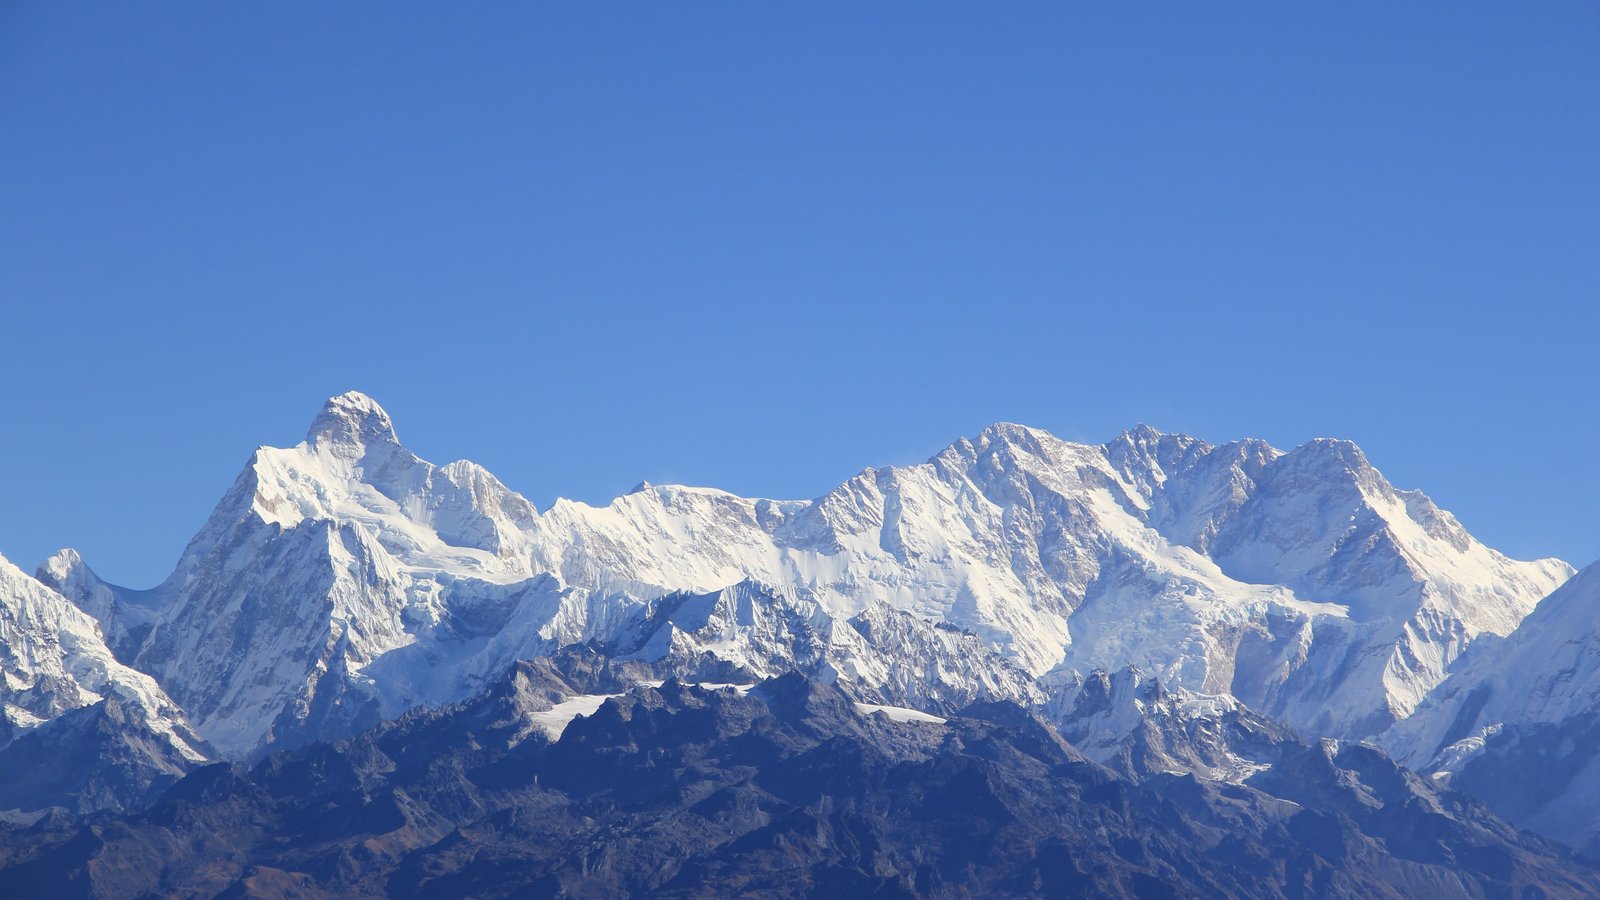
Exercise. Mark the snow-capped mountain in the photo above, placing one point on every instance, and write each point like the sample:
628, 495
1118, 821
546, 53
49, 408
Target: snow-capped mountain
1301, 582
1416, 589
325, 558
1518, 723
70, 712
345, 580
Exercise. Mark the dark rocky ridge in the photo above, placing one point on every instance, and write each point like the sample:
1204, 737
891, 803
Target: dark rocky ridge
100, 756
785, 791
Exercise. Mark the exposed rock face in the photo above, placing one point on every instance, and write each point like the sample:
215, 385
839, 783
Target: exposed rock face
1139, 728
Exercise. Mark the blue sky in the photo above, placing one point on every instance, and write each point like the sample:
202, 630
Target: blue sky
762, 246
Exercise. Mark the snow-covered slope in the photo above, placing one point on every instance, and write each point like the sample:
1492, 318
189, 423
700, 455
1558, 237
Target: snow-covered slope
76, 726
344, 579
1518, 723
53, 659
125, 616
1416, 588
1546, 672
1302, 582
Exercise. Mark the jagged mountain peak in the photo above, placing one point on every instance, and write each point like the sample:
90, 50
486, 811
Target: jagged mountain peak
66, 573
1016, 432
65, 560
352, 419
352, 468
1335, 457
1011, 433
1151, 441
1000, 447
1143, 431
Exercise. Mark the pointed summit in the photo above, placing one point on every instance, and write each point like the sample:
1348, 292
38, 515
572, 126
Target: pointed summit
1010, 434
352, 418
1008, 431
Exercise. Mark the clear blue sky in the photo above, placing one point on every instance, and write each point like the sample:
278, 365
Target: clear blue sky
763, 245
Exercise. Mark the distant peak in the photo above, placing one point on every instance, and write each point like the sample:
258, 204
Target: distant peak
64, 559
66, 573
352, 418
1006, 428
1333, 450
1143, 445
1143, 434
1010, 433
60, 567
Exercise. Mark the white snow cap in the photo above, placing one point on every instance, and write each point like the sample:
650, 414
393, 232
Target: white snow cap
352, 418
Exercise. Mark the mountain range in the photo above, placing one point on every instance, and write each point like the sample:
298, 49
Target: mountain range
1205, 626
